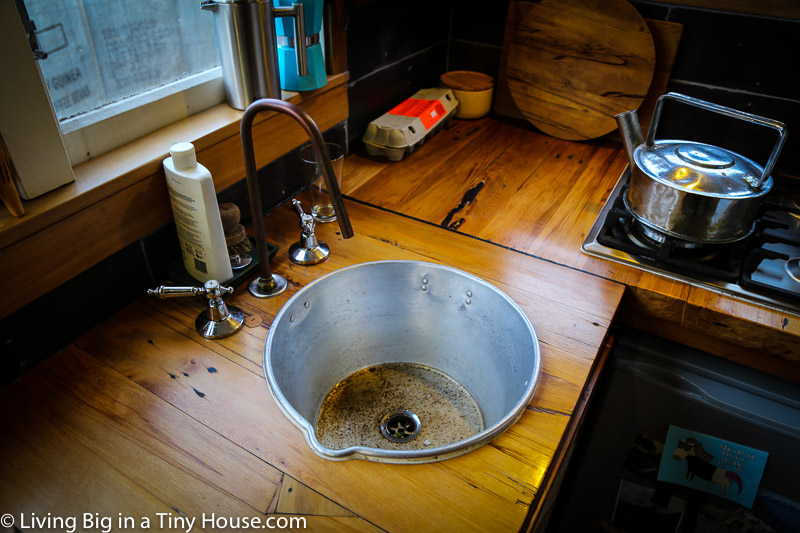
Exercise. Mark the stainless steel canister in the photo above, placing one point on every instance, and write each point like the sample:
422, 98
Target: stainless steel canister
248, 48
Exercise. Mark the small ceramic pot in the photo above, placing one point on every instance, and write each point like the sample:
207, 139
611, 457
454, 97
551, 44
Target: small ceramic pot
473, 90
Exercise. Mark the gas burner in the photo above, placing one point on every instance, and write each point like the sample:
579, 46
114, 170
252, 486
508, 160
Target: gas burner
638, 235
776, 268
791, 202
793, 268
640, 232
678, 249
782, 200
781, 225
764, 267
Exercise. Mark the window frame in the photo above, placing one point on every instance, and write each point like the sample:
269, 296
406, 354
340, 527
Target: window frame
108, 127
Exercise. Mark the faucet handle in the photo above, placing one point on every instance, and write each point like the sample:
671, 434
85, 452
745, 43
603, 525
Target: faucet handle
211, 289
217, 320
305, 218
308, 250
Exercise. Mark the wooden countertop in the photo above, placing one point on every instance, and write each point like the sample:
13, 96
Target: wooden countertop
141, 418
539, 195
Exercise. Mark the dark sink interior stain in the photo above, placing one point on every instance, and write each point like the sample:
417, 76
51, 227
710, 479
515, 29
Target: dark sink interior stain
351, 413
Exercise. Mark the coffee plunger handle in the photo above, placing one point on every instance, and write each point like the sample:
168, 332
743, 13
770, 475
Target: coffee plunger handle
780, 127
300, 47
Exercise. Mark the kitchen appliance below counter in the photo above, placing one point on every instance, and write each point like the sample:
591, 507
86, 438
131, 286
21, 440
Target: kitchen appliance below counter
650, 384
764, 268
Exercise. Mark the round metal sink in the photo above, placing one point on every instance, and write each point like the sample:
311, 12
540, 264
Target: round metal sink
421, 362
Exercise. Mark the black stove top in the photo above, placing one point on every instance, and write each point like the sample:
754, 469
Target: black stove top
764, 267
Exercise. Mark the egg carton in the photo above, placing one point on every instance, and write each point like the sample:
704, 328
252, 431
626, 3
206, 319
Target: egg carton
407, 126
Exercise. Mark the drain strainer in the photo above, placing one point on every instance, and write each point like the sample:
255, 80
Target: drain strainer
400, 426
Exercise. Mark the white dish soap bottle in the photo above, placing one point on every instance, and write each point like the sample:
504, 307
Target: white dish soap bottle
194, 205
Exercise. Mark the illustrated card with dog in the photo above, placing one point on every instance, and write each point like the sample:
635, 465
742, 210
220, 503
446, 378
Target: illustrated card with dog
712, 465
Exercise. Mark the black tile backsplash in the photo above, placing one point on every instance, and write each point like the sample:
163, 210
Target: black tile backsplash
651, 11
467, 55
753, 54
381, 33
479, 22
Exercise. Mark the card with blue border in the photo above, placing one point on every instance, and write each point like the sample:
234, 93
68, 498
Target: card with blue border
712, 465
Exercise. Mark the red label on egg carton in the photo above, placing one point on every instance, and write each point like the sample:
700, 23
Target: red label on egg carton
428, 111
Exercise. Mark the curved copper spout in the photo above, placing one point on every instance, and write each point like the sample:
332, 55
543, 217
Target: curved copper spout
269, 284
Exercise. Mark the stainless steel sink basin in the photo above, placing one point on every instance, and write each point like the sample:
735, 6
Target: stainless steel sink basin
401, 361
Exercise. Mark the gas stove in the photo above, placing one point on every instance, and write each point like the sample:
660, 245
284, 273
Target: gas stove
763, 268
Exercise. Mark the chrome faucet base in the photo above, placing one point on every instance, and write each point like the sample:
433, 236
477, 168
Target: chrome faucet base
308, 250
218, 320
301, 255
269, 287
219, 328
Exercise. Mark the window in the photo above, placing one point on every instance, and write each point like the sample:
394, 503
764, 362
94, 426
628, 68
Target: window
110, 65
100, 52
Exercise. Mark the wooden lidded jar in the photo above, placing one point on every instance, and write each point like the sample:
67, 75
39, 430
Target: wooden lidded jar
473, 90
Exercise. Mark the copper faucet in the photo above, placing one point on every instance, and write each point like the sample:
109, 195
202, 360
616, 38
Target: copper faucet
269, 284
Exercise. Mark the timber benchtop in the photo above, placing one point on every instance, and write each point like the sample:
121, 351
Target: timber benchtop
142, 418
539, 195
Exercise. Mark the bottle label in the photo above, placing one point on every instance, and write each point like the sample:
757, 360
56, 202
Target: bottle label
428, 111
185, 214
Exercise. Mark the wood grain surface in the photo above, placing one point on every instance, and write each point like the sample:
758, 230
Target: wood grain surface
574, 64
666, 40
540, 195
143, 416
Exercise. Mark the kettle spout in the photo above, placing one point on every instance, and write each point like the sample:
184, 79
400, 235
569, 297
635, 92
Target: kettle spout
631, 133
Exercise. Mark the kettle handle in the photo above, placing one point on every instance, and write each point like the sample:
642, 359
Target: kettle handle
780, 127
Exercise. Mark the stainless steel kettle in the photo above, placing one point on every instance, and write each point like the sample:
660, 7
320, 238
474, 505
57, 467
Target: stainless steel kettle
248, 47
694, 191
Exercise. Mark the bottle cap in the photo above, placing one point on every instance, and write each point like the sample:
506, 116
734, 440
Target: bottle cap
183, 156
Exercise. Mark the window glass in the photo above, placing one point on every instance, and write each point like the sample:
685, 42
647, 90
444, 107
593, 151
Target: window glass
102, 51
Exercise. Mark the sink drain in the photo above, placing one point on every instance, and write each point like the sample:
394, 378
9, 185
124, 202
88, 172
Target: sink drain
400, 426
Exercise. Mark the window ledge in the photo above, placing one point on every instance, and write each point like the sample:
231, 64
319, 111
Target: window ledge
106, 175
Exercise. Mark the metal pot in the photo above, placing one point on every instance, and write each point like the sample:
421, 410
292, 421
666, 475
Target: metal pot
694, 191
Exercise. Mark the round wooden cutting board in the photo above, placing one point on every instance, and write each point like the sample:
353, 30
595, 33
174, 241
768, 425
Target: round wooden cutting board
574, 64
